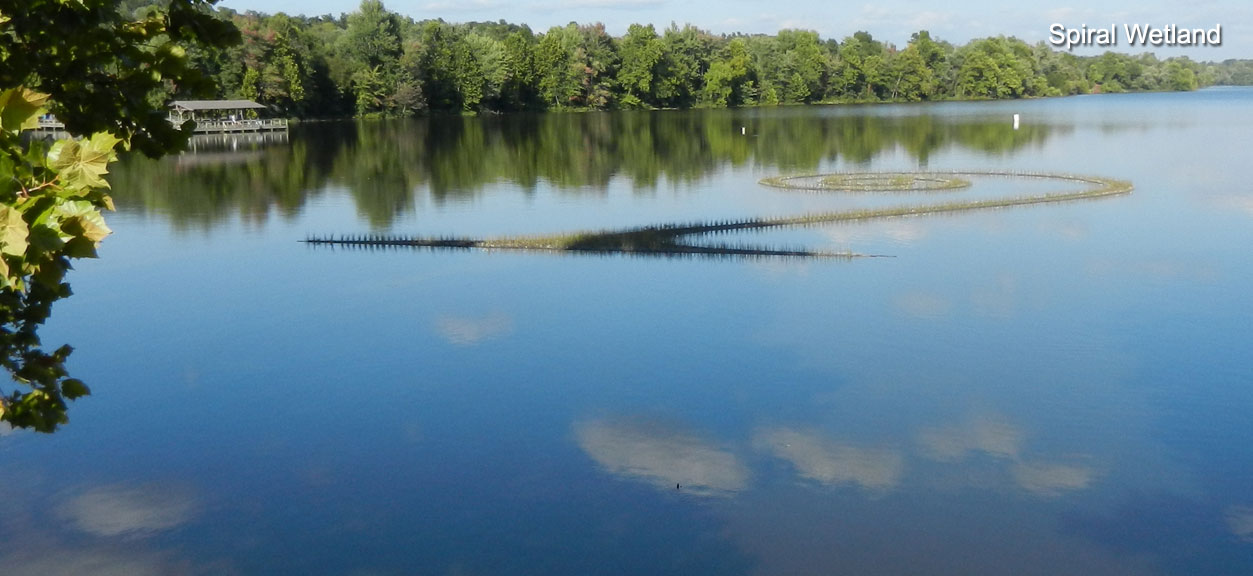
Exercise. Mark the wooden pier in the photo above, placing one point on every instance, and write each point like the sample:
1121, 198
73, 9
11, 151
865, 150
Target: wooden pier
50, 123
211, 117
235, 126
224, 116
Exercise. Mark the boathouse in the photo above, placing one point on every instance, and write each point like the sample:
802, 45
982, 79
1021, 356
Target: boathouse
219, 116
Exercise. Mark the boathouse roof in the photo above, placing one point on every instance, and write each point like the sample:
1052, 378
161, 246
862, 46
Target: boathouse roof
196, 105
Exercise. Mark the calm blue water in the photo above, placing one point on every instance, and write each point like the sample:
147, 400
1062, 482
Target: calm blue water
1053, 389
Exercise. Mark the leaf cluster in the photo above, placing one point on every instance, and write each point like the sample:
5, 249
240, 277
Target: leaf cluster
104, 75
50, 214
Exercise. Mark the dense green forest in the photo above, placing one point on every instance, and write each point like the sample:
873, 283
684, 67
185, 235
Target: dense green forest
377, 62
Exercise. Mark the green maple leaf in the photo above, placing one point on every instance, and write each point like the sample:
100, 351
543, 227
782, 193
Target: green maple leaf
83, 164
19, 109
13, 232
81, 219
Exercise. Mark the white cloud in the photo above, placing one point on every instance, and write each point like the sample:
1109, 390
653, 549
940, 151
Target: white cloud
928, 20
796, 24
565, 5
613, 4
463, 6
886, 22
1069, 15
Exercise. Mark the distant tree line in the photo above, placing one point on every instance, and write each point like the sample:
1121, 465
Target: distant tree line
374, 62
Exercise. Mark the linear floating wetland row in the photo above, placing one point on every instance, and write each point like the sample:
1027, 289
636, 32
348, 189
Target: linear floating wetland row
668, 239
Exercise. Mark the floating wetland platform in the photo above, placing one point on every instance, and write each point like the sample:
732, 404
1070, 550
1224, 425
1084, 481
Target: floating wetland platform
668, 239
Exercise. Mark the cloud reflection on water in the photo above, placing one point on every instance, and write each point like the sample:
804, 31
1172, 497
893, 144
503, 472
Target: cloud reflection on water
987, 434
1235, 203
103, 531
662, 456
1240, 521
91, 561
919, 304
469, 331
1155, 268
899, 232
1000, 299
127, 511
833, 463
995, 436
1050, 478
666, 457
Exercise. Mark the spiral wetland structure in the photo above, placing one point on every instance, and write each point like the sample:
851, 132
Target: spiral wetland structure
874, 182
669, 239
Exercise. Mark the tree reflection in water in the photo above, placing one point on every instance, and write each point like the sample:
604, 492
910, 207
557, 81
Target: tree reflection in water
384, 165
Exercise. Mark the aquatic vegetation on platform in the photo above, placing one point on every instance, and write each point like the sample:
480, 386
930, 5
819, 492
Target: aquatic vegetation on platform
870, 182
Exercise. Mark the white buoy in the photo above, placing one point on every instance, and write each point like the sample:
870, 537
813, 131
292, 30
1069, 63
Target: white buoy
1015, 121
743, 130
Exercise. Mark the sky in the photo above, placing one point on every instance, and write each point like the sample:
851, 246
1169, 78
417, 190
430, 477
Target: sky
893, 21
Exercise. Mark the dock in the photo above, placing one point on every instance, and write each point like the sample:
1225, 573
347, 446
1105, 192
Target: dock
236, 126
224, 116
211, 117
50, 123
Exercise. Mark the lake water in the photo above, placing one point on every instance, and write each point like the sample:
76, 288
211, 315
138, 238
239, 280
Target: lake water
1050, 389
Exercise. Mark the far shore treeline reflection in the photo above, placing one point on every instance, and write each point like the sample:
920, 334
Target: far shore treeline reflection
384, 164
